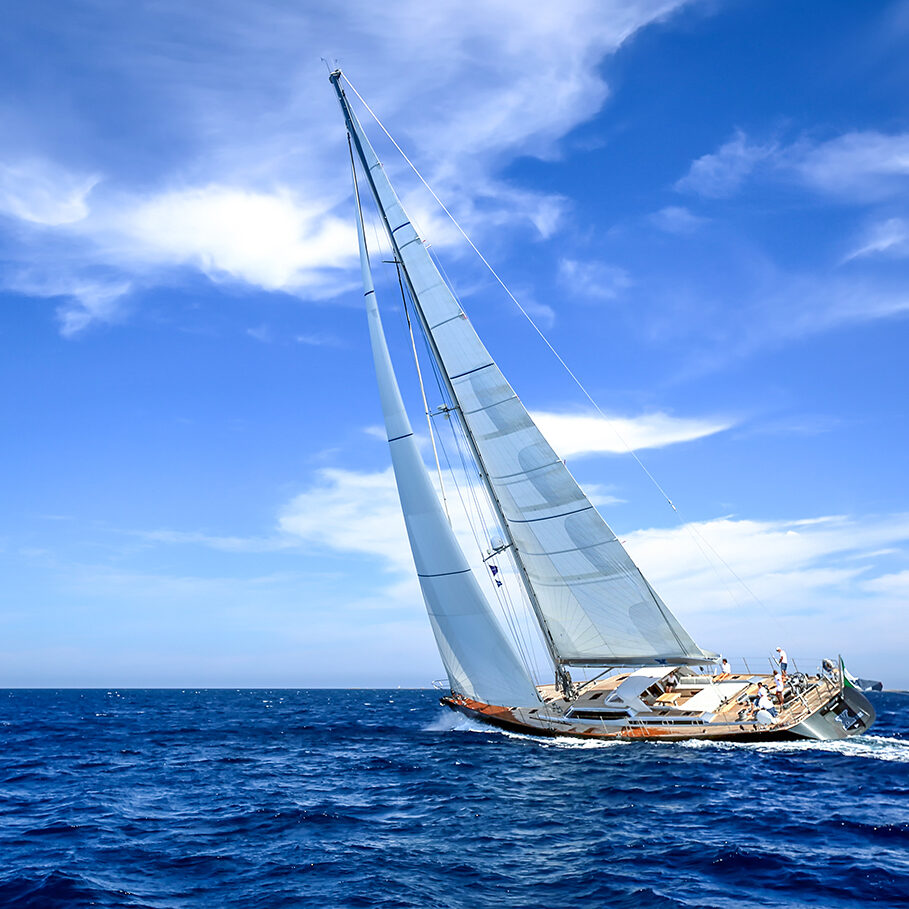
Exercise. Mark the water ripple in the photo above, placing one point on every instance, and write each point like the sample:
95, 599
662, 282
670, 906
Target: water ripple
271, 799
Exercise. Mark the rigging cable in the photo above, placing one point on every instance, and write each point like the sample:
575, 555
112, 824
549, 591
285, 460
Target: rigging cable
689, 527
503, 594
416, 360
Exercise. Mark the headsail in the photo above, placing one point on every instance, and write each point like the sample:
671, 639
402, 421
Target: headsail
595, 606
478, 658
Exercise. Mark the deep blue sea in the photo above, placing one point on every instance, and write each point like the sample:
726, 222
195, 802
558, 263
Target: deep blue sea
321, 798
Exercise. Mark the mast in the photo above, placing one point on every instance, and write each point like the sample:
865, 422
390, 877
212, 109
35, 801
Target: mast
355, 134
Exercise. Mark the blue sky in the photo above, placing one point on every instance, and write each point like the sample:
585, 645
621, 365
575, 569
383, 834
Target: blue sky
705, 206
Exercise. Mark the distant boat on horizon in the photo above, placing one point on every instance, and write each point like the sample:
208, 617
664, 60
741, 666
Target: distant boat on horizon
595, 610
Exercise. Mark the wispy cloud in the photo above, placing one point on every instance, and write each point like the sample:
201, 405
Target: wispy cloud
575, 435
777, 307
84, 298
886, 238
857, 166
319, 339
676, 219
895, 585
213, 541
350, 511
821, 584
722, 172
214, 192
864, 166
44, 193
593, 280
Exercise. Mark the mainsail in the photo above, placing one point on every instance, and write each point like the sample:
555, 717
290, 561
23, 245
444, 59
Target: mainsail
594, 605
478, 658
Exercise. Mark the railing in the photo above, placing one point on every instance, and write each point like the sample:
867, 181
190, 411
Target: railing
760, 664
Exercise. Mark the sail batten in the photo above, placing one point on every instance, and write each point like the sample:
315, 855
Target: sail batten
593, 603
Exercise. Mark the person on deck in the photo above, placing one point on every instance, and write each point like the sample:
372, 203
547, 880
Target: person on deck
764, 703
783, 660
778, 683
725, 668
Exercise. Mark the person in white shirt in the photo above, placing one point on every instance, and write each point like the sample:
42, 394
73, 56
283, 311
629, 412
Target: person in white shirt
764, 703
725, 668
778, 683
783, 660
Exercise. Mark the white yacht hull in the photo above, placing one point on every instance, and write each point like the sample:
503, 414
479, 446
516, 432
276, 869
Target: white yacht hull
825, 711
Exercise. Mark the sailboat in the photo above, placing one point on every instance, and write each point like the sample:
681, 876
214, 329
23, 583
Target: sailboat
596, 612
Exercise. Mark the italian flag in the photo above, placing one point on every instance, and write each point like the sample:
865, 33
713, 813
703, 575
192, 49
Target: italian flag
844, 675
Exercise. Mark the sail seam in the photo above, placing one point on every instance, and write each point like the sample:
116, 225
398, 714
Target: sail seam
520, 473
555, 552
490, 406
400, 226
406, 435
443, 574
461, 375
551, 517
457, 315
571, 581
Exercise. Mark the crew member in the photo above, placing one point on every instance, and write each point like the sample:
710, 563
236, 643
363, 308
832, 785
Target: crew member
783, 660
778, 682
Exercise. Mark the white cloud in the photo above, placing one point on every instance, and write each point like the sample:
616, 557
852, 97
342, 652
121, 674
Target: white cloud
823, 585
351, 511
247, 119
857, 166
765, 554
595, 280
44, 193
541, 313
90, 302
861, 165
675, 219
780, 306
267, 239
821, 582
85, 299
889, 238
574, 435
318, 339
721, 173
896, 585
818, 583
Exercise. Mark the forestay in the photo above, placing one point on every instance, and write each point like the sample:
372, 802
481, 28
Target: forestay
597, 607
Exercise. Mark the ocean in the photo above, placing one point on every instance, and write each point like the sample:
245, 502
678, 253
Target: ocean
265, 799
